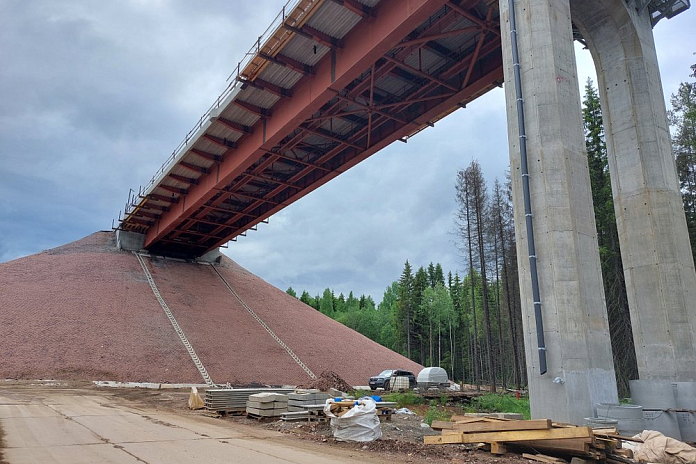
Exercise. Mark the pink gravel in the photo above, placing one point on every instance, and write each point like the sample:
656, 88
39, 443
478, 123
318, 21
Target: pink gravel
84, 311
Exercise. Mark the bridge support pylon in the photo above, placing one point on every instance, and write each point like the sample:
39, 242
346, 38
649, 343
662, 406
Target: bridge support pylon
655, 250
578, 348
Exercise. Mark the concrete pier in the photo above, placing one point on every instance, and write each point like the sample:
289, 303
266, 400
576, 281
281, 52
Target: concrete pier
580, 364
655, 251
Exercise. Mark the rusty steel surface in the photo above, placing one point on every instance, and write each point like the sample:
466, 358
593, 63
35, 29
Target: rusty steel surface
332, 83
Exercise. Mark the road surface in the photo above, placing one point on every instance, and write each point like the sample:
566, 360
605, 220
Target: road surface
73, 426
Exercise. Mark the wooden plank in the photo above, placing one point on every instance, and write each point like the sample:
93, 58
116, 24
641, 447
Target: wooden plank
445, 438
606, 431
526, 435
540, 424
442, 425
466, 419
543, 458
618, 437
574, 444
498, 448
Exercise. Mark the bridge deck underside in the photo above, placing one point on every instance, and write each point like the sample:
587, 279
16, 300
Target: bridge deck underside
337, 81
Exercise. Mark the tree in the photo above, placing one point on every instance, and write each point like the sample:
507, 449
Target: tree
501, 216
479, 201
291, 292
682, 117
419, 324
326, 305
405, 308
464, 223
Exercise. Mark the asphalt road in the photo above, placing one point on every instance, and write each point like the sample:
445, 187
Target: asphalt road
56, 425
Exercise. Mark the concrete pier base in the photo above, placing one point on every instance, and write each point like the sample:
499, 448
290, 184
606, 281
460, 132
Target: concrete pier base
580, 364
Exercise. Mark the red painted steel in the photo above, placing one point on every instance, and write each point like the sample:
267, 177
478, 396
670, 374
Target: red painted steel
366, 43
340, 88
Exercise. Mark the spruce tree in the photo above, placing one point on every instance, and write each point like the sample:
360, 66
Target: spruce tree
405, 308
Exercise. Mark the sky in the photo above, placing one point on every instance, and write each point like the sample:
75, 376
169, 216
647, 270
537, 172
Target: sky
94, 96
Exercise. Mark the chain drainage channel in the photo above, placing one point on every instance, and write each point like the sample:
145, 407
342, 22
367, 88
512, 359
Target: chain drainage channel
265, 326
179, 331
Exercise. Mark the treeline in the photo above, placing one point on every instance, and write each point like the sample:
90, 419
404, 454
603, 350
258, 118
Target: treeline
471, 324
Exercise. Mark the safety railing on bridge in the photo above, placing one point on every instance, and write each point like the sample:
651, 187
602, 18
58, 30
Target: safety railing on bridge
277, 23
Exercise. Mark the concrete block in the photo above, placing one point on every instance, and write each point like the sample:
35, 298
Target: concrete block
129, 241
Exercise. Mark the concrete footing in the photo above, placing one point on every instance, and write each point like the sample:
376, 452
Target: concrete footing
669, 407
213, 256
129, 241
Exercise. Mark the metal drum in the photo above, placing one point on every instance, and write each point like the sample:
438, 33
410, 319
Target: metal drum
629, 417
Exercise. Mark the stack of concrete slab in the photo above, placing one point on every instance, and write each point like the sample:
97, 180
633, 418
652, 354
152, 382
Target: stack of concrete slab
235, 399
267, 404
298, 402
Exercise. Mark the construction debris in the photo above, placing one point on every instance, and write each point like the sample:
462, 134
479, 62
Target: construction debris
195, 401
267, 404
235, 399
544, 440
298, 402
656, 447
354, 420
327, 380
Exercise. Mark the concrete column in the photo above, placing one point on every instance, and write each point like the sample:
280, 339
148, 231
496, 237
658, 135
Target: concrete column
572, 295
655, 251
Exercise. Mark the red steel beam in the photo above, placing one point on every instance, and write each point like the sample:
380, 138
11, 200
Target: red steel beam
235, 126
367, 42
287, 62
358, 90
206, 155
468, 63
356, 7
473, 90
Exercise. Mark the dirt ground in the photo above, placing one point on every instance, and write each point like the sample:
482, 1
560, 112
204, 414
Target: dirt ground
402, 438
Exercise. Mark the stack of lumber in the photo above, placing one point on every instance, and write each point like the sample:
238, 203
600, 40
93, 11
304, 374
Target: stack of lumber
235, 399
267, 405
537, 437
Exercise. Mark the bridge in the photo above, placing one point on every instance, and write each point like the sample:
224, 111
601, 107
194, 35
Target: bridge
327, 85
331, 82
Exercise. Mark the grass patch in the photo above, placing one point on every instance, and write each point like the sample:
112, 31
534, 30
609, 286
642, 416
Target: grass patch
404, 399
492, 402
436, 413
360, 393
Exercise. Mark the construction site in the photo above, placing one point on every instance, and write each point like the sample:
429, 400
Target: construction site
145, 343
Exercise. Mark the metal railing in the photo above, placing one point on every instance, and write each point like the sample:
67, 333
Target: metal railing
276, 24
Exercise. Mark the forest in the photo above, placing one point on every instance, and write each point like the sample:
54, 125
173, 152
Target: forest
471, 323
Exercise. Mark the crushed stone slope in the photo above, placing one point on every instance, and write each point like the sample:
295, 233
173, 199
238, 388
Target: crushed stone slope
85, 311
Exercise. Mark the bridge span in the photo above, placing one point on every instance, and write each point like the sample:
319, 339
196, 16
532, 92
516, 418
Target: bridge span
330, 83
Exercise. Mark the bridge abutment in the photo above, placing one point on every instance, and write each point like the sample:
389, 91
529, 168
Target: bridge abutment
580, 363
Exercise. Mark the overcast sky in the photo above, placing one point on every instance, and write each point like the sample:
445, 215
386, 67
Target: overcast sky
95, 95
